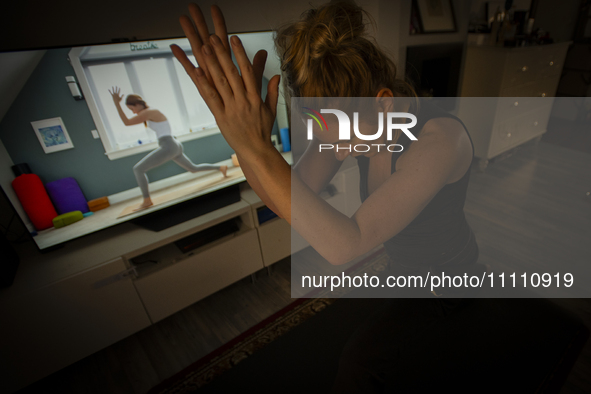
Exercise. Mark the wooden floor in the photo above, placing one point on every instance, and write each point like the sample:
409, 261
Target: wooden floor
569, 134
525, 209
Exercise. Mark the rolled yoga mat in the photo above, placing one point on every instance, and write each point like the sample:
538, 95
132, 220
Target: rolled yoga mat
67, 196
35, 201
67, 219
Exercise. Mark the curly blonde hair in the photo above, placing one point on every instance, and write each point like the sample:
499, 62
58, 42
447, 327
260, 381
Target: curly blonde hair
327, 54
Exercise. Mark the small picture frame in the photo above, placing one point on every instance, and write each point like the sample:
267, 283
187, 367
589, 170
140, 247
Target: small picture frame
52, 135
437, 16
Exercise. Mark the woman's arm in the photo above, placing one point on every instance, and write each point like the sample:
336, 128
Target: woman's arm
253, 181
139, 118
246, 122
315, 169
428, 166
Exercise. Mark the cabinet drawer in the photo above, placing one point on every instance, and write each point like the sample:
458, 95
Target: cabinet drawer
275, 238
177, 286
521, 68
59, 324
545, 87
512, 132
552, 62
532, 65
514, 107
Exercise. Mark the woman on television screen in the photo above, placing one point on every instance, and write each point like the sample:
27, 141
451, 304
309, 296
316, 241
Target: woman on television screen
412, 198
168, 147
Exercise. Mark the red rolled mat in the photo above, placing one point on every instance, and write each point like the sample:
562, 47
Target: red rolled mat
35, 201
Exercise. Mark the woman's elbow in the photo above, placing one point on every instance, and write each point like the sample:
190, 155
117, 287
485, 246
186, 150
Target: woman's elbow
346, 253
333, 261
275, 211
339, 258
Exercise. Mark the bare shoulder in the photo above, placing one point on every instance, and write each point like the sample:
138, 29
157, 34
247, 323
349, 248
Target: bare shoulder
447, 130
154, 115
442, 142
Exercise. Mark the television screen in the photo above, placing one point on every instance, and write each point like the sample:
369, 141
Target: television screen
65, 128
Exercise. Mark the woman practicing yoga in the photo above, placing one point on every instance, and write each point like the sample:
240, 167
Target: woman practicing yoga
412, 199
168, 147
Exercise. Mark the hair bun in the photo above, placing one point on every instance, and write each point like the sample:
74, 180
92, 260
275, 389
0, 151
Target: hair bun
331, 29
327, 54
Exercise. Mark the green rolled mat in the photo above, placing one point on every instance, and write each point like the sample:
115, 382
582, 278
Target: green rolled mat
67, 219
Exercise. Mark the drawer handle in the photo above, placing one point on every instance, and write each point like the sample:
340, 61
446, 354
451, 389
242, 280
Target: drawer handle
508, 135
524, 68
543, 94
516, 104
535, 123
551, 63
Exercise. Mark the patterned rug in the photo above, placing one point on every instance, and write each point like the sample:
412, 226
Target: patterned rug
222, 359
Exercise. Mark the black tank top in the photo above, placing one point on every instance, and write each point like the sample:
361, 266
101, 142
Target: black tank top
439, 235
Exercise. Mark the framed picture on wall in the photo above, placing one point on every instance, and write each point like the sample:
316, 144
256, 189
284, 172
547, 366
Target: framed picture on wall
436, 16
52, 135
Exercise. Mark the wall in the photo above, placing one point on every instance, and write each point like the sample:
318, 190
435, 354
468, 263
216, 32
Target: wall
461, 10
478, 8
559, 21
16, 69
46, 95
35, 23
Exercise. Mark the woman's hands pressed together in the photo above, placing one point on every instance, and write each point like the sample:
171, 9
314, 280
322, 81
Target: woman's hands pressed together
232, 95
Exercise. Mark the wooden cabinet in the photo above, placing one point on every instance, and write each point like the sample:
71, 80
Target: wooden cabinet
77, 300
198, 275
275, 235
516, 76
50, 327
99, 289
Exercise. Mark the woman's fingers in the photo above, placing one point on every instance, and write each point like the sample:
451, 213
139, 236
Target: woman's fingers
114, 91
219, 24
248, 74
218, 75
181, 56
258, 67
200, 23
198, 34
228, 67
273, 94
194, 39
209, 93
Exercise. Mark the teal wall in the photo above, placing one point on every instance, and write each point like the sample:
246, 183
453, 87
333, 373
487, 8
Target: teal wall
46, 95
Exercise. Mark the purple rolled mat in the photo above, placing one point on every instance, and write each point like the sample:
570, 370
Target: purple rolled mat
67, 196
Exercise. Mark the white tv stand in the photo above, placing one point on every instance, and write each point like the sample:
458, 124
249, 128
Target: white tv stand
69, 303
